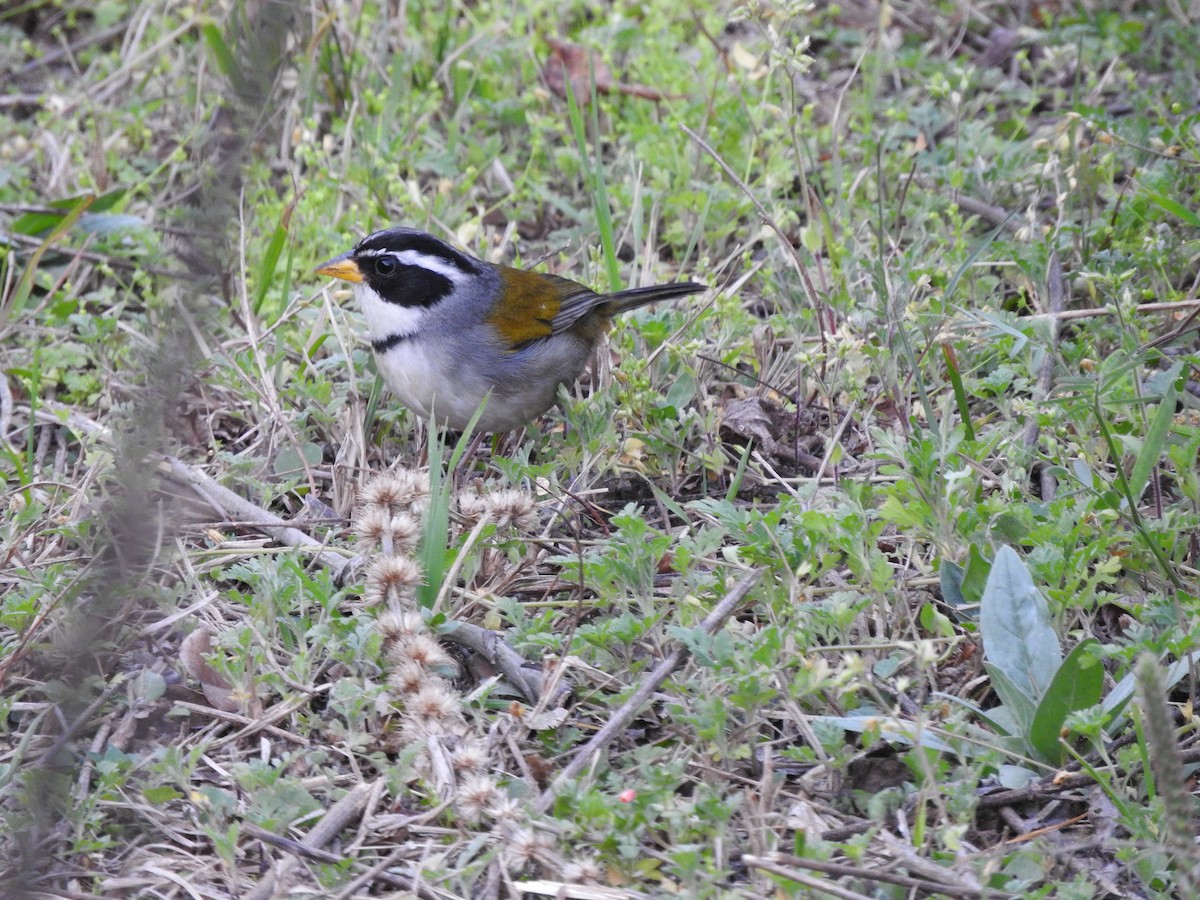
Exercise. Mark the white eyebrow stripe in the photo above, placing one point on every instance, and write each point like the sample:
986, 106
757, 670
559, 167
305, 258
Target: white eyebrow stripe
438, 264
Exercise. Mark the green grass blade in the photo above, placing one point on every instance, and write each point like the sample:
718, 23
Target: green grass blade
1156, 438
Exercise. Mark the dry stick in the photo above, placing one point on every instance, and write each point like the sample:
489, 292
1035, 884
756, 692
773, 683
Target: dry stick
224, 502
492, 647
340, 815
1056, 291
817, 884
865, 874
647, 689
379, 872
233, 506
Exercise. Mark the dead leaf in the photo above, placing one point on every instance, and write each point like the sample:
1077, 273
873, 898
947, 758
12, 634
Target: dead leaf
579, 65
546, 720
192, 652
751, 419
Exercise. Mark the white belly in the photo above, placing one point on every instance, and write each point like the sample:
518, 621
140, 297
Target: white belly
437, 386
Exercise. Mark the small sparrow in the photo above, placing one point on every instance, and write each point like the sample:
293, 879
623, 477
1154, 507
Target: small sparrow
451, 332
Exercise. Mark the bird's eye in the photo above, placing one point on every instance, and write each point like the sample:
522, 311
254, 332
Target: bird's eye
385, 265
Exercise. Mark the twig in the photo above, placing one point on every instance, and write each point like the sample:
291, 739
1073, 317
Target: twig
339, 816
223, 501
647, 689
230, 505
848, 871
491, 646
817, 884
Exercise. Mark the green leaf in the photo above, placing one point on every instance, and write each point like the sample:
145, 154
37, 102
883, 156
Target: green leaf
110, 223
1014, 622
1175, 207
960, 393
16, 301
1077, 685
951, 579
975, 578
222, 55
37, 223
1156, 437
892, 730
435, 555
963, 586
270, 258
297, 458
1015, 777
1124, 689
1019, 705
160, 796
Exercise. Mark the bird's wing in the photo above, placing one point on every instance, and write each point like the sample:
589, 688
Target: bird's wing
539, 305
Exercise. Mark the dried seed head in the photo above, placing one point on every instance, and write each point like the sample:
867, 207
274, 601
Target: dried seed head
419, 649
524, 846
396, 492
373, 525
397, 626
472, 506
433, 702
415, 730
584, 870
407, 678
513, 509
506, 809
390, 577
370, 525
470, 758
521, 847
405, 530
475, 795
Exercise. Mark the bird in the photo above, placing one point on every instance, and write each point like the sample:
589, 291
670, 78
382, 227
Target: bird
452, 332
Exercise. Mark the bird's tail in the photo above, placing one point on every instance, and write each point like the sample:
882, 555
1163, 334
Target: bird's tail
623, 301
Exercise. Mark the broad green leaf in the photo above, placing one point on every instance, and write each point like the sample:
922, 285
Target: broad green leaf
951, 578
963, 586
161, 796
222, 55
1077, 685
1020, 705
37, 223
999, 718
1015, 777
1014, 622
976, 575
110, 223
297, 458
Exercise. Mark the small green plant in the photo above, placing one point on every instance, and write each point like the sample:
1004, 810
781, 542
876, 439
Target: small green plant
1038, 687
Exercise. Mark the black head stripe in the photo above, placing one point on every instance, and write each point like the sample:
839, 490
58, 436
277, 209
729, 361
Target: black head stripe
409, 285
398, 240
412, 268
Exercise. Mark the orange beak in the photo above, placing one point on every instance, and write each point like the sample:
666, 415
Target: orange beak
343, 267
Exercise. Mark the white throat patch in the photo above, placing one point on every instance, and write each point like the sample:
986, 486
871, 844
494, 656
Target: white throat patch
386, 320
